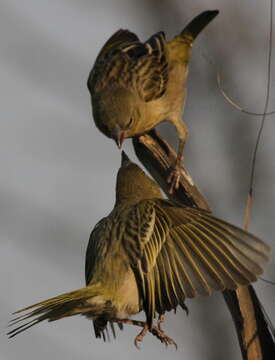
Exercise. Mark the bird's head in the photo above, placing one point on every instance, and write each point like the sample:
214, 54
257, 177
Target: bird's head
115, 113
133, 185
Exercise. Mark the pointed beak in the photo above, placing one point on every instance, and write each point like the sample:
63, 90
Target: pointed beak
125, 161
119, 137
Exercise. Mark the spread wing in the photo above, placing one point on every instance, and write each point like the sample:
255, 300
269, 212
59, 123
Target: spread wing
185, 252
126, 62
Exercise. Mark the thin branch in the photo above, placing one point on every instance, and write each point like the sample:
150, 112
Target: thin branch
270, 282
234, 104
227, 97
268, 86
157, 155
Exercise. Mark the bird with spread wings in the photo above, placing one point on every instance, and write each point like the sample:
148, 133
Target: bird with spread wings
150, 254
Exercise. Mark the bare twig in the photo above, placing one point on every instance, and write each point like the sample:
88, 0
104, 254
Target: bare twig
234, 104
268, 87
157, 156
228, 98
250, 335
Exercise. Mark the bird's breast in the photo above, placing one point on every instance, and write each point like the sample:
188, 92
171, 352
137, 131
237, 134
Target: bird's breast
126, 300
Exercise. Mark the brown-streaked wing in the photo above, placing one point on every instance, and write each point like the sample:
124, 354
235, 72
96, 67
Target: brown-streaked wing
189, 252
125, 62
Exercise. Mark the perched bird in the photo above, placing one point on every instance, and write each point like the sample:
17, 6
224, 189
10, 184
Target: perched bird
151, 254
134, 86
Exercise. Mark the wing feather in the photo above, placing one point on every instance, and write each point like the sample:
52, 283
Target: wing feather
217, 249
125, 62
189, 252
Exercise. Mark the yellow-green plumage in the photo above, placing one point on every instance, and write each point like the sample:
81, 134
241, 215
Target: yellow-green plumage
151, 254
134, 85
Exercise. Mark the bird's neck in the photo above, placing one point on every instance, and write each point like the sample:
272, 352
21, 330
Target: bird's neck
125, 201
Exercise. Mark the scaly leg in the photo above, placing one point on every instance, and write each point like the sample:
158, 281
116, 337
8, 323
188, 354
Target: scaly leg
140, 336
160, 321
142, 324
174, 177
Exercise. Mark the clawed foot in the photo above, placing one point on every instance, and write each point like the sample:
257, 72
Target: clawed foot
174, 179
140, 336
160, 334
155, 330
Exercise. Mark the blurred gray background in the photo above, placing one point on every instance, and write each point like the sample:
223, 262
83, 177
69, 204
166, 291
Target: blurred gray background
58, 172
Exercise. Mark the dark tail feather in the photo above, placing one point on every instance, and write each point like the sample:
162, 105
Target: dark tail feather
120, 326
199, 23
102, 331
23, 327
61, 306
